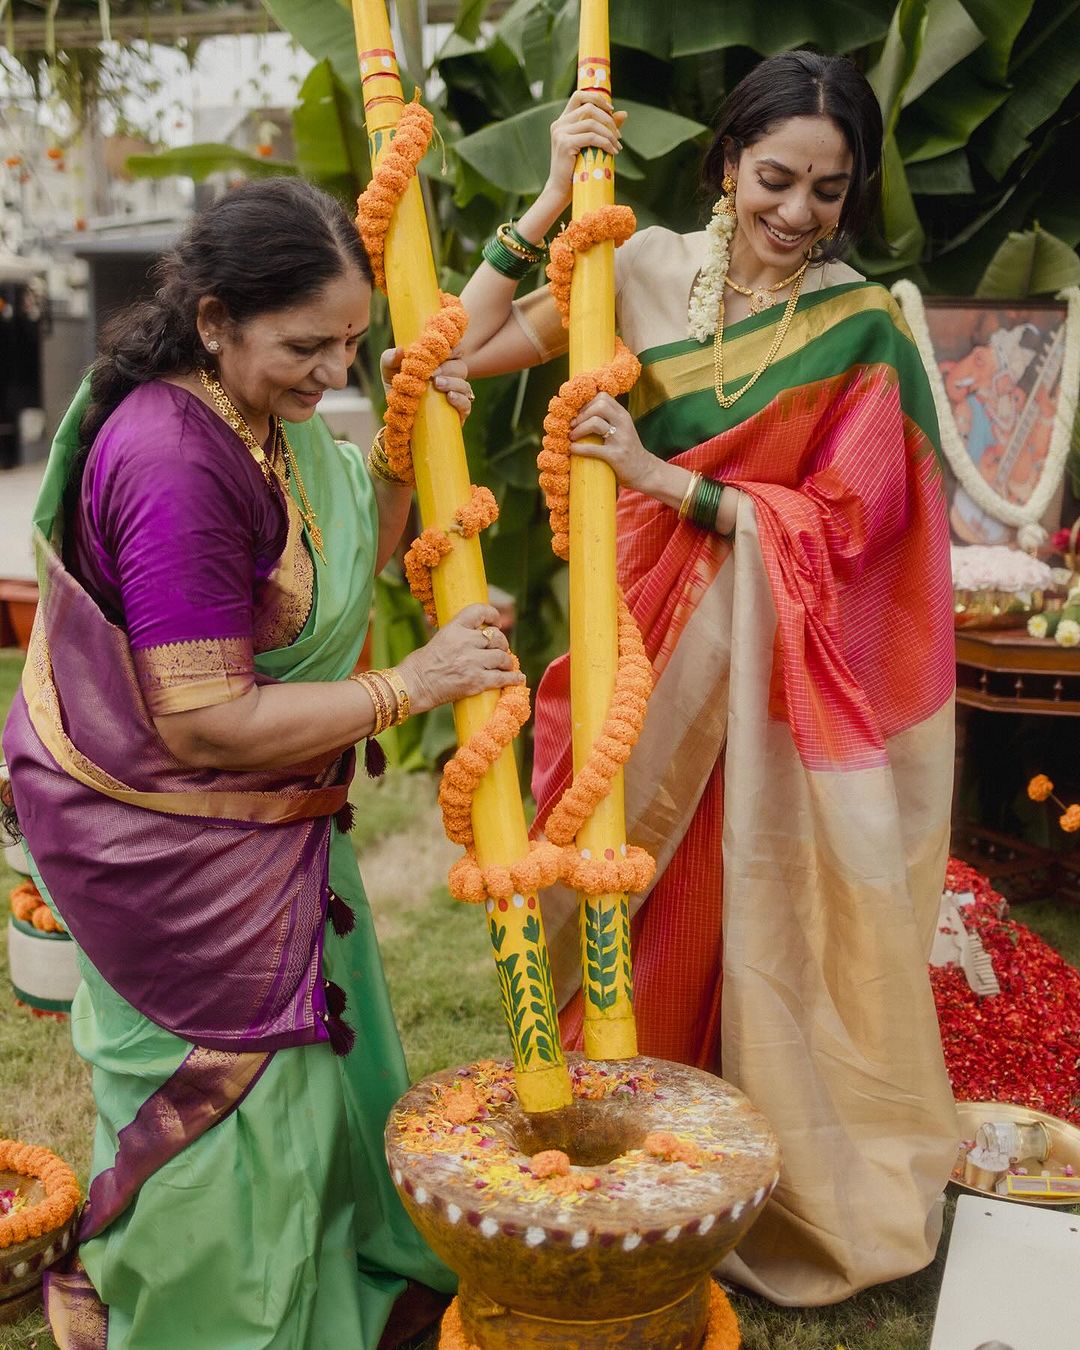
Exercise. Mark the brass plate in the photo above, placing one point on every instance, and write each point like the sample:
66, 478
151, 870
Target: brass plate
1064, 1146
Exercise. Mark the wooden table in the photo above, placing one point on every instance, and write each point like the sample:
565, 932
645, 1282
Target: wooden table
1006, 671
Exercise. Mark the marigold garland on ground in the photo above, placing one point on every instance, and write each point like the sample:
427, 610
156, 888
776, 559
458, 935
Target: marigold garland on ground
28, 906
721, 1333
1022, 1045
62, 1193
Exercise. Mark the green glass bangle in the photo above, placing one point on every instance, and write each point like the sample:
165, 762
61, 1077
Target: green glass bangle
507, 264
539, 250
706, 503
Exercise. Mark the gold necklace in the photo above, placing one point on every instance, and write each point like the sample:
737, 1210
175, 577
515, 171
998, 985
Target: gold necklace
231, 414
761, 297
726, 400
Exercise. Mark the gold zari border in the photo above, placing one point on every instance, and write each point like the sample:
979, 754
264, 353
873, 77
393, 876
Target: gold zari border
270, 808
690, 372
178, 676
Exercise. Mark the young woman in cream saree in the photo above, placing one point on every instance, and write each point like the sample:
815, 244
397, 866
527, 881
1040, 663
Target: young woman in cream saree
783, 546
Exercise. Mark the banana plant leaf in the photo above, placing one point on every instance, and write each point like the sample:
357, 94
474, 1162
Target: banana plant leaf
1043, 74
470, 17
900, 221
947, 115
324, 29
200, 161
899, 59
951, 36
331, 148
1001, 22
947, 176
1029, 263
544, 40
515, 154
695, 27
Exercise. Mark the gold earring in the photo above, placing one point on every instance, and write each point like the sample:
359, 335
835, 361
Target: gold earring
213, 345
725, 205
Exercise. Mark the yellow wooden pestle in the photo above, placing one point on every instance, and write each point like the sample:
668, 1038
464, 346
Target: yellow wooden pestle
442, 483
610, 1031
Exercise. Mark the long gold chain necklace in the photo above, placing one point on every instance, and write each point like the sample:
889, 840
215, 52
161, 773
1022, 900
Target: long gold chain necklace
231, 414
761, 297
726, 400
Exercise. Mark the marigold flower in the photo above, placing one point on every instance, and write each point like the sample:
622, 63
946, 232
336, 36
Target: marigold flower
1040, 788
552, 1162
1070, 821
54, 152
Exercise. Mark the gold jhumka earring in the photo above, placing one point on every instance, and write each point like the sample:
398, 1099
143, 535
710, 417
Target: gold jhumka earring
725, 205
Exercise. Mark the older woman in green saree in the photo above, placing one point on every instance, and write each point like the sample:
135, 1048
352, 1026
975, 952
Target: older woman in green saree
180, 755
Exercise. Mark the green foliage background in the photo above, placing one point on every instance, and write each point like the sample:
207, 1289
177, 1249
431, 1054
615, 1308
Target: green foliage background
980, 99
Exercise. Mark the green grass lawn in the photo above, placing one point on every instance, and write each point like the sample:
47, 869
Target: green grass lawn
447, 1006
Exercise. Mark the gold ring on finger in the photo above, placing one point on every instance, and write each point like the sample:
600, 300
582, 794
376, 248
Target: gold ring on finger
491, 635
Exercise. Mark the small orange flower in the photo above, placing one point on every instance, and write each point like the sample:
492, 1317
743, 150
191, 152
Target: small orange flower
1070, 821
263, 150
54, 152
552, 1162
13, 161
1040, 788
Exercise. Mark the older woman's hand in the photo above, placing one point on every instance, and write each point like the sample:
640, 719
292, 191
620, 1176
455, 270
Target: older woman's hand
620, 446
587, 120
451, 379
466, 656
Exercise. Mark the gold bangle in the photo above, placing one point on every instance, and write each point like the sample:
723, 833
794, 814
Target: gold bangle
401, 694
384, 715
530, 255
378, 464
688, 496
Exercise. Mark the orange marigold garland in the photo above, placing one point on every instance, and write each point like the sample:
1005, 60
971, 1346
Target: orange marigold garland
633, 678
28, 907
721, 1331
442, 332
375, 205
62, 1193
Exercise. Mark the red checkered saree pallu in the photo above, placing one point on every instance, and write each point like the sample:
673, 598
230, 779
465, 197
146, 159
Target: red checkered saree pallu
793, 777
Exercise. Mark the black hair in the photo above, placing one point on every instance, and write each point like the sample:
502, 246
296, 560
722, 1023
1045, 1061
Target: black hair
806, 84
263, 246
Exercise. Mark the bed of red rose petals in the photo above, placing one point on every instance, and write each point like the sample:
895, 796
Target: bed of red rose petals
1022, 1045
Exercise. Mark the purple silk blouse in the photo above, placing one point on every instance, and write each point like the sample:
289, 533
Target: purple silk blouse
177, 536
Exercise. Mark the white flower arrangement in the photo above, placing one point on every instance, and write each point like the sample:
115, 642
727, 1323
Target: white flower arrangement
995, 567
705, 298
1024, 517
1068, 633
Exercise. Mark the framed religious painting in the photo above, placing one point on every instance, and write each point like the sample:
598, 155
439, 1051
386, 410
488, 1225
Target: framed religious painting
1006, 399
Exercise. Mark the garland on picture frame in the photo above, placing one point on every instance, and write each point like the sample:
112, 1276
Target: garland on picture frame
1025, 517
